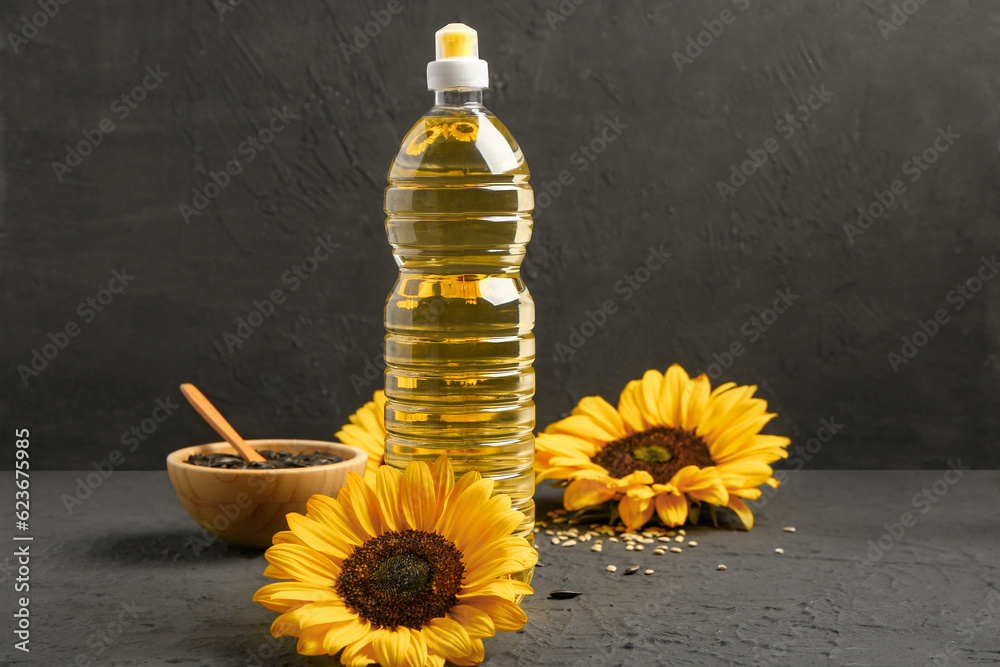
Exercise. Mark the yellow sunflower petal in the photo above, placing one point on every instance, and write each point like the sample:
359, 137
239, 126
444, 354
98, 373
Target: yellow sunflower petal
474, 657
419, 499
444, 481
630, 407
359, 653
581, 426
311, 640
336, 517
341, 634
603, 414
742, 511
283, 595
294, 561
447, 638
695, 399
675, 382
507, 616
475, 621
586, 492
704, 484
317, 536
672, 509
635, 512
387, 493
360, 499
296, 621
649, 397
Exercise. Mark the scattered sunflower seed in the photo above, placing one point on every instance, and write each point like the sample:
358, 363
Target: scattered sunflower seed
639, 547
563, 595
611, 568
542, 524
631, 569
682, 532
659, 551
649, 571
676, 550
671, 533
568, 543
539, 564
692, 543
779, 550
550, 532
597, 548
679, 538
556, 540
613, 538
789, 529
663, 539
720, 567
629, 547
536, 530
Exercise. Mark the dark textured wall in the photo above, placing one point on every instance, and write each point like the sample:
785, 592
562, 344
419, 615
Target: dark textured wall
562, 73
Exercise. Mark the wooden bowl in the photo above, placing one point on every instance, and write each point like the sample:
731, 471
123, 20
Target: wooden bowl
247, 507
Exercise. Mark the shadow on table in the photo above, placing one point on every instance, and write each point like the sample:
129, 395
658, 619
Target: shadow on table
168, 546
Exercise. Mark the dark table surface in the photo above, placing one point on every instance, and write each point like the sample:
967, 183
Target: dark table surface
885, 568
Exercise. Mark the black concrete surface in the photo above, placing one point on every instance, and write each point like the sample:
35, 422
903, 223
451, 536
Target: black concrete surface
561, 71
128, 579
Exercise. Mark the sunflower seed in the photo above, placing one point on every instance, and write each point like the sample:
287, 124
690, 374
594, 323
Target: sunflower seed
645, 540
536, 530
556, 540
779, 550
720, 567
629, 547
539, 564
682, 532
676, 550
639, 547
671, 533
598, 542
631, 569
563, 595
663, 539
789, 529
692, 543
550, 532
611, 568
597, 548
649, 533
649, 571
659, 551
679, 538
541, 523
585, 538
613, 538
568, 543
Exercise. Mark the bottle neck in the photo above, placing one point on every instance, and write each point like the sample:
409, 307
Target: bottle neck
458, 97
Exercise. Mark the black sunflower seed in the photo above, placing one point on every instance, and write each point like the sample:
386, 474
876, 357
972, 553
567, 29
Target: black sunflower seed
563, 595
631, 569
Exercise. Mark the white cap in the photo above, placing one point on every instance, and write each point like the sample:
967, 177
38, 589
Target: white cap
457, 63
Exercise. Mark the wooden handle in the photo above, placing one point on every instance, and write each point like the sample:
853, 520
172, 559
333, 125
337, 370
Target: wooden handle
218, 422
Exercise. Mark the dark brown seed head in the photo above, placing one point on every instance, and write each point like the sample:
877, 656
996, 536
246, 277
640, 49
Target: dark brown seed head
659, 451
402, 578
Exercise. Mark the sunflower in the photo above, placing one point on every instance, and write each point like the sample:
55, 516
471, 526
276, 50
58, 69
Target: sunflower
423, 139
367, 432
411, 571
463, 130
672, 441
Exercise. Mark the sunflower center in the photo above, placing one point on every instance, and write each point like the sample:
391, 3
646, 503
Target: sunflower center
402, 574
405, 577
659, 451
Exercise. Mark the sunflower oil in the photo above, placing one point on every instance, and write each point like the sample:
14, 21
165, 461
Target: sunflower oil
459, 347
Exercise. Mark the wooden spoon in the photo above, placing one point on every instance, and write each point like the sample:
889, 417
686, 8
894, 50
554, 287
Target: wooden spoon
219, 423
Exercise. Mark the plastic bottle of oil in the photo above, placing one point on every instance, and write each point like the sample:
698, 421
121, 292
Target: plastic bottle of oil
459, 348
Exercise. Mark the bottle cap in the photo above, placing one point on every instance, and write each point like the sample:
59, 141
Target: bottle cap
457, 63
